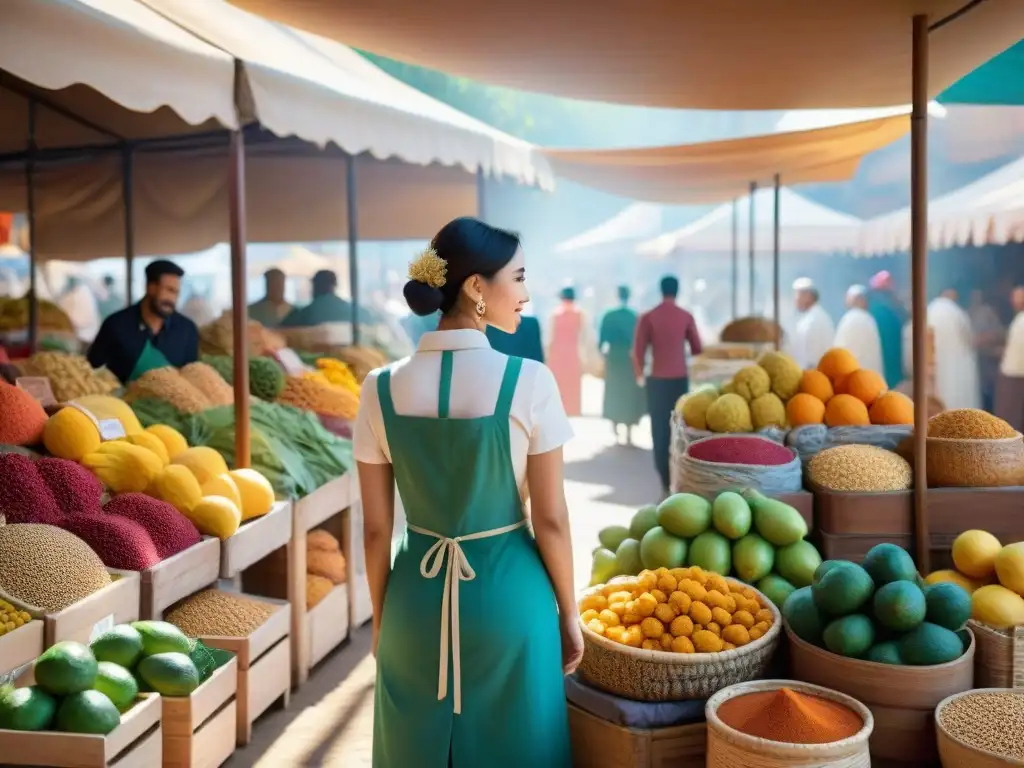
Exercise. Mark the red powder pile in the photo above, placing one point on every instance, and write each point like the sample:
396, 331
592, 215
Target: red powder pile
741, 450
791, 717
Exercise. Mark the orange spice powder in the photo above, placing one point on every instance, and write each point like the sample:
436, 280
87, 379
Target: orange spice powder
789, 716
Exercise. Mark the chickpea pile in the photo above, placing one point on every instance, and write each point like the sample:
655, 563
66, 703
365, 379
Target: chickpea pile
11, 618
682, 610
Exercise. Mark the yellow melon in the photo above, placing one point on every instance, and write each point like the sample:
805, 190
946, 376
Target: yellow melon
204, 462
256, 491
1010, 567
997, 607
953, 577
223, 485
974, 553
215, 516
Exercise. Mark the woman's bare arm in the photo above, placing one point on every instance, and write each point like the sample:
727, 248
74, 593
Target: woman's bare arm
377, 484
550, 518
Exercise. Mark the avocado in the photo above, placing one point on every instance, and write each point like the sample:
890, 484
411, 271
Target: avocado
66, 668
887, 652
797, 562
899, 605
843, 589
117, 684
169, 674
87, 712
121, 645
948, 604
803, 617
775, 520
161, 637
775, 588
752, 558
731, 516
851, 635
887, 562
930, 644
26, 709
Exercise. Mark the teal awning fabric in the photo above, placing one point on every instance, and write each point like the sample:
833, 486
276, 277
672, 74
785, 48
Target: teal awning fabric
1000, 82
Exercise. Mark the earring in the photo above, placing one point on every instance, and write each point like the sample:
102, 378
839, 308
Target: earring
481, 307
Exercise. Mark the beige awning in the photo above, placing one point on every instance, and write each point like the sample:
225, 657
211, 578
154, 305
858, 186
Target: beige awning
989, 211
715, 171
181, 201
323, 92
730, 54
125, 71
804, 227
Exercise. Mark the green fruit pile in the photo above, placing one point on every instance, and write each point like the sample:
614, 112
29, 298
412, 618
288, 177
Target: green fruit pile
757, 539
84, 689
881, 611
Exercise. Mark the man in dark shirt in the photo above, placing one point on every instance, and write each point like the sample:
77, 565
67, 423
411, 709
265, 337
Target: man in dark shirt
666, 331
149, 334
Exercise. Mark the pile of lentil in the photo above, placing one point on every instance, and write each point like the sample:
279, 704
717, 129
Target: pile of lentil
860, 469
993, 722
212, 613
46, 567
755, 451
969, 424
791, 717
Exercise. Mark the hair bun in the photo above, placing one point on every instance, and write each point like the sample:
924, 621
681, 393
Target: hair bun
422, 299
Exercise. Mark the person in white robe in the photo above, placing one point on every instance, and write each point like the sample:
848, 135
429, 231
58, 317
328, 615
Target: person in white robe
79, 304
857, 331
1009, 397
957, 379
814, 332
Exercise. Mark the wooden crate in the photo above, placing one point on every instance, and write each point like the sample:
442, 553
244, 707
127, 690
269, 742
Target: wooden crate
21, 647
876, 514
199, 730
255, 539
135, 743
179, 576
802, 502
264, 667
360, 607
326, 625
596, 743
116, 603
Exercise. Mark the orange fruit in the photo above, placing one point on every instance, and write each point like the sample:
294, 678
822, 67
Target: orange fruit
867, 386
817, 384
846, 411
804, 409
892, 408
837, 362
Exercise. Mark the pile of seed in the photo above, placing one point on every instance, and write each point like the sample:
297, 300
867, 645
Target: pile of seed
48, 568
222, 614
860, 469
993, 722
757, 451
969, 424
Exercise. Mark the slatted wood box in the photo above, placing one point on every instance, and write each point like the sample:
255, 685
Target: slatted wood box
264, 667
116, 603
199, 731
597, 743
179, 576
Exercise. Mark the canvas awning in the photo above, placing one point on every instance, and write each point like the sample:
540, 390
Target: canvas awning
323, 92
999, 82
738, 54
635, 222
805, 227
123, 70
714, 171
989, 211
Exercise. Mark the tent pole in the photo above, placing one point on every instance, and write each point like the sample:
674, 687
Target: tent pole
239, 301
919, 277
127, 187
775, 268
481, 195
735, 258
30, 205
750, 258
353, 240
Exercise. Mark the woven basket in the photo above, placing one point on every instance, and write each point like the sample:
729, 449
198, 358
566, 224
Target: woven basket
975, 463
709, 478
956, 754
729, 748
999, 659
635, 673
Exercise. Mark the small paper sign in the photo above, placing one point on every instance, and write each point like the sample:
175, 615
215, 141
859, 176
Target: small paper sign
39, 387
101, 626
12, 676
291, 362
112, 429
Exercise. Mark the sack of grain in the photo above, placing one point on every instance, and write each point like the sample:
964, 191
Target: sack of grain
811, 439
730, 462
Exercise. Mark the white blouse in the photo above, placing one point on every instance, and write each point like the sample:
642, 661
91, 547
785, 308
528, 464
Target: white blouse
538, 421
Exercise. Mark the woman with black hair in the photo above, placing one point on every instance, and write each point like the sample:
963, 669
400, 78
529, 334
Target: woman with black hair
475, 622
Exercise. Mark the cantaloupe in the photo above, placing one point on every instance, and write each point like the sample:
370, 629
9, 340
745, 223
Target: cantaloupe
998, 607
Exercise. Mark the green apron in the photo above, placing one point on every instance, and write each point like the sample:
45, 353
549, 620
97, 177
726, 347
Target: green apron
150, 359
499, 700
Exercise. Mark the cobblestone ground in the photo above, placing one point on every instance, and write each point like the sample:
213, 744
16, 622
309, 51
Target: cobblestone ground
330, 720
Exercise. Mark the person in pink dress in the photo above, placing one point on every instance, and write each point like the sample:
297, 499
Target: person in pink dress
569, 340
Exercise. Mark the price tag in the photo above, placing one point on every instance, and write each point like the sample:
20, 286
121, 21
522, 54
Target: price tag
101, 626
12, 676
111, 429
291, 362
39, 387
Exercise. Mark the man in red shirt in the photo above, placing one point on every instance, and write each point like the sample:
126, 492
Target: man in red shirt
666, 331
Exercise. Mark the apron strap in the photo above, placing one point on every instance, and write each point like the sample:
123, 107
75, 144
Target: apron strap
508, 387
444, 390
387, 405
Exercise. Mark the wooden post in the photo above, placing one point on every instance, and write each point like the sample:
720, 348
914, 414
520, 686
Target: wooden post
919, 278
775, 268
127, 187
239, 300
351, 191
30, 205
750, 258
735, 258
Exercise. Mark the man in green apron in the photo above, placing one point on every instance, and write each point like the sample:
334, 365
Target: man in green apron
150, 334
272, 308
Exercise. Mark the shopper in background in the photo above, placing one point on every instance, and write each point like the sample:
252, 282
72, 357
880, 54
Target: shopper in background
623, 396
150, 334
571, 350
272, 308
112, 300
857, 331
814, 333
890, 316
957, 382
989, 337
666, 332
1009, 398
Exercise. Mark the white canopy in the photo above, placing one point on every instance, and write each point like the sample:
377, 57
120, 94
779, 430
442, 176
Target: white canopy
804, 226
635, 222
729, 54
987, 211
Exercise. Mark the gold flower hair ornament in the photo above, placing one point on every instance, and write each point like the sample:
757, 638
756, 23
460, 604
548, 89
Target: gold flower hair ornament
429, 268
